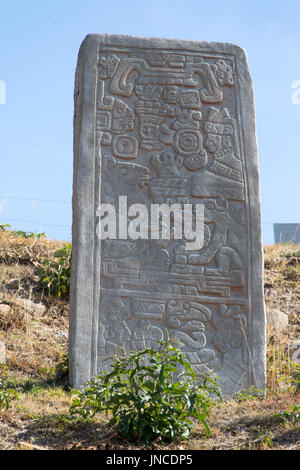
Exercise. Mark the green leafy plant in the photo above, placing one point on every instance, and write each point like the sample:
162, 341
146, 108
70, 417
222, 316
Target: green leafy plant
260, 438
292, 415
20, 233
59, 374
7, 394
250, 393
4, 227
55, 275
152, 394
61, 371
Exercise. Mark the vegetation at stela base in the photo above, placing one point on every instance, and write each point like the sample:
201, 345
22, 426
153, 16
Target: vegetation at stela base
152, 395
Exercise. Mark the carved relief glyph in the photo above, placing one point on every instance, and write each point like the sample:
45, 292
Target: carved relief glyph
168, 130
167, 112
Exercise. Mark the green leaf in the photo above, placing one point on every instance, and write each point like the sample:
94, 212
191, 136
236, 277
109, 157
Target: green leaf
145, 396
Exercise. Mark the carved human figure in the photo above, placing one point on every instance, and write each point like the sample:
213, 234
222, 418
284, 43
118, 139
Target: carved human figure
230, 323
115, 331
228, 264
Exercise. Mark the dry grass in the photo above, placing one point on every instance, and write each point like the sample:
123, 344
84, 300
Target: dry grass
282, 282
35, 329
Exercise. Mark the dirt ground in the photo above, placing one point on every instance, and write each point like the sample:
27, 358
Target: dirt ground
34, 328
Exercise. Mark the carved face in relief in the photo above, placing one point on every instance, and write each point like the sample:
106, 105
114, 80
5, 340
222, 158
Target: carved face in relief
213, 143
149, 131
217, 144
224, 73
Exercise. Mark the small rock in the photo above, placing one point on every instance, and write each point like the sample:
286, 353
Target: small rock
269, 292
2, 353
4, 309
31, 307
62, 333
295, 352
277, 321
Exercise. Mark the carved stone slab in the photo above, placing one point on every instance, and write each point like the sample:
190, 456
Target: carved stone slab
167, 121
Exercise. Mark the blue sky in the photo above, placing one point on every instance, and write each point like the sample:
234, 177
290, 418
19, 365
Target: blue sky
39, 43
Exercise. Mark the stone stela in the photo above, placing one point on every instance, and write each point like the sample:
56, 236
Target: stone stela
167, 121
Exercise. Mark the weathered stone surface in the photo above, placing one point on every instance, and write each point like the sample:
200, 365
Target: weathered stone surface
167, 121
277, 321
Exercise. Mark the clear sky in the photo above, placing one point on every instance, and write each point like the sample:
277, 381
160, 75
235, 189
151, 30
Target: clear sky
39, 43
